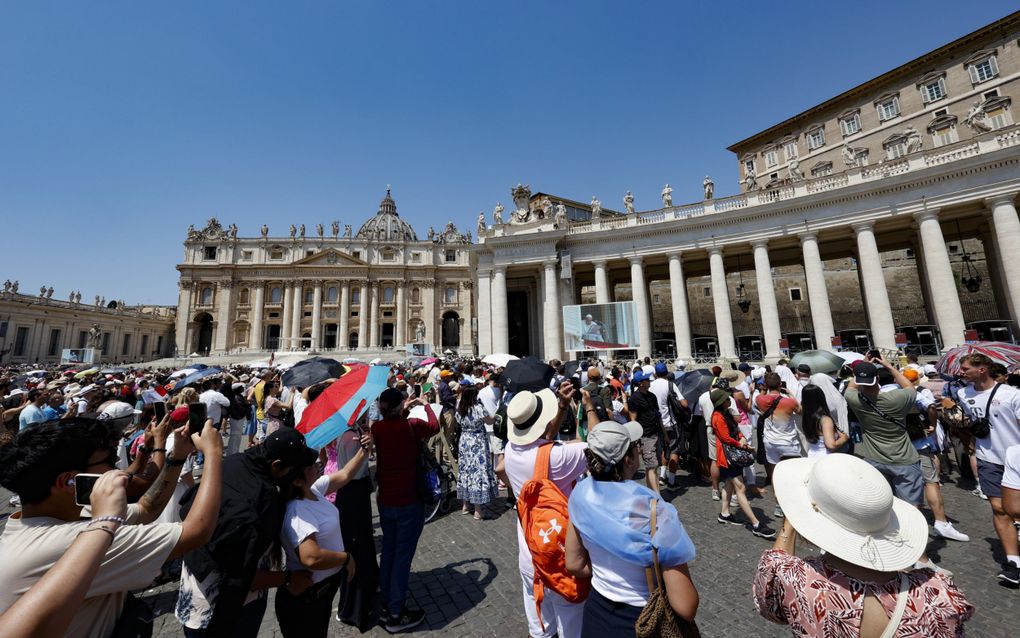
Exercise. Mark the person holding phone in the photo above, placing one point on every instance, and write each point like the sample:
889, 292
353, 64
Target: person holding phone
41, 465
273, 407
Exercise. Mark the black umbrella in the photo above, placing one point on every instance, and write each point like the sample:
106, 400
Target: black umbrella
695, 383
570, 368
527, 374
311, 371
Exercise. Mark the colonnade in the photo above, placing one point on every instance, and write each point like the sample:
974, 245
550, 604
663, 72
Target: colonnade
938, 278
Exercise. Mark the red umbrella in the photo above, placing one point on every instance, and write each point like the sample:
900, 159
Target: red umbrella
1008, 354
340, 405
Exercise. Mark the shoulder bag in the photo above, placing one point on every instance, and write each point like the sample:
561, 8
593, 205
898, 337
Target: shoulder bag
901, 605
657, 619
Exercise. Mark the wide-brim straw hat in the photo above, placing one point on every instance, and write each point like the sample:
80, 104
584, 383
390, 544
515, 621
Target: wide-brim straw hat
529, 414
845, 506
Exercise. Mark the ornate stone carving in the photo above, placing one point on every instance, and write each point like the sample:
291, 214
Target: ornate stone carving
914, 143
750, 180
335, 227
522, 197
709, 187
212, 232
561, 220
977, 119
347, 231
225, 285
796, 174
301, 231
293, 231
628, 202
451, 235
481, 223
596, 207
667, 196
497, 215
319, 230
265, 231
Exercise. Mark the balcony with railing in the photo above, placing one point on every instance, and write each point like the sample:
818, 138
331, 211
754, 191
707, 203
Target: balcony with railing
985, 143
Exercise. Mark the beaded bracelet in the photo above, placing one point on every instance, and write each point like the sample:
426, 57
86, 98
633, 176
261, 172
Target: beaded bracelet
112, 519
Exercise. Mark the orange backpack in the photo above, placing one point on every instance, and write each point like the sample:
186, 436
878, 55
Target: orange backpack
542, 510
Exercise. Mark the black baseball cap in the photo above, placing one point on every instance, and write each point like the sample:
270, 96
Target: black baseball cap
288, 446
865, 373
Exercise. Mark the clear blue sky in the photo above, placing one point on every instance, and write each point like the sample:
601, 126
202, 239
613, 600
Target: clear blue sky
123, 122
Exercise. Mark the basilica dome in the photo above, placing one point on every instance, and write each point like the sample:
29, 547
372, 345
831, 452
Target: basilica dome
387, 225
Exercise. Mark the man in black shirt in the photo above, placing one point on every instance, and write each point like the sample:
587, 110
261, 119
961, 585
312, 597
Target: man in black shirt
644, 408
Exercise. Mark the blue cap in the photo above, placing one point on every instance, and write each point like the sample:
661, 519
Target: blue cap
744, 366
639, 377
660, 368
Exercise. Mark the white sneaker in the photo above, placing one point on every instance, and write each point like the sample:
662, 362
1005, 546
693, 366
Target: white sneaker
734, 502
715, 495
977, 492
778, 512
946, 530
932, 566
15, 501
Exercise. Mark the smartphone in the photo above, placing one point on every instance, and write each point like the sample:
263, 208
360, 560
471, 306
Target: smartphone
196, 418
418, 392
83, 484
160, 409
782, 384
874, 354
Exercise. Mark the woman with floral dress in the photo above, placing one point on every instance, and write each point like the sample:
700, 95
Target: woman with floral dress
476, 484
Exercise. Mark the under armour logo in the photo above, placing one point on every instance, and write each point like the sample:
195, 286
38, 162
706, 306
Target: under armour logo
553, 529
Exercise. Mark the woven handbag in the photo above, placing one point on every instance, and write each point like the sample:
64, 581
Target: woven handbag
657, 619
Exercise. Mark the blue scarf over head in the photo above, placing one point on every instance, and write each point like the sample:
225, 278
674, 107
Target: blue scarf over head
616, 516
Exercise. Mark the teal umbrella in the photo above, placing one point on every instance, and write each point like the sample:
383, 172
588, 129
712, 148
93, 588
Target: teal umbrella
818, 360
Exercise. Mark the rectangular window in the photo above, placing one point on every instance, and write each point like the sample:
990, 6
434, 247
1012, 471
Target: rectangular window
246, 255
708, 291
415, 258
933, 91
276, 254
822, 171
125, 347
357, 254
850, 125
83, 338
816, 138
309, 253
944, 136
862, 157
387, 313
984, 70
999, 117
771, 158
451, 256
749, 166
106, 343
54, 347
795, 294
145, 345
354, 314
209, 253
20, 341
896, 149
159, 344
655, 299
790, 149
889, 109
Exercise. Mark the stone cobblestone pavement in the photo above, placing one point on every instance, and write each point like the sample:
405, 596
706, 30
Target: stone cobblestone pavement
466, 579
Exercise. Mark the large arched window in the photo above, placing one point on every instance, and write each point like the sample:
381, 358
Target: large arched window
207, 296
276, 295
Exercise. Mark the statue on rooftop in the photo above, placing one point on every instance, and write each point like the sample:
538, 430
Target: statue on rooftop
709, 187
667, 196
628, 202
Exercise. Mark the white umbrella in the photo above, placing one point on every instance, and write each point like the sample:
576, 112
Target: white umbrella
418, 411
375, 362
499, 360
352, 360
850, 356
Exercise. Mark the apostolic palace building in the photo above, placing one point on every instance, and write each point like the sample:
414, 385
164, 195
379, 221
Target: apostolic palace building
884, 217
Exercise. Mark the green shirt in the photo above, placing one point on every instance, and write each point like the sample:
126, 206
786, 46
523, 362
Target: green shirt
883, 440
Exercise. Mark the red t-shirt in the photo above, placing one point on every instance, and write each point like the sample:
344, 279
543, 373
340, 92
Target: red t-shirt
396, 453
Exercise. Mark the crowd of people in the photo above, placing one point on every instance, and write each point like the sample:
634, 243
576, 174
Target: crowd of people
238, 504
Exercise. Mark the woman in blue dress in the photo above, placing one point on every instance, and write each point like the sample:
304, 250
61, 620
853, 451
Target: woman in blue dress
476, 484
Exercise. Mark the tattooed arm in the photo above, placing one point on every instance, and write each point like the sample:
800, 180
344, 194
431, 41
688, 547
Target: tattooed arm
151, 504
200, 524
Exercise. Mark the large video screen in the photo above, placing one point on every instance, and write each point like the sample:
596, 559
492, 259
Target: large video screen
606, 326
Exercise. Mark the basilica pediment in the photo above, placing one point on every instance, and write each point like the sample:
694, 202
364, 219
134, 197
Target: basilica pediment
330, 257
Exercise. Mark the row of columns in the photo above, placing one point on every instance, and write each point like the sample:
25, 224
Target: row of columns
940, 281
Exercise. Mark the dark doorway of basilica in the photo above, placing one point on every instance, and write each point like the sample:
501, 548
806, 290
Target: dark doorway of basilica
451, 330
518, 324
272, 338
387, 335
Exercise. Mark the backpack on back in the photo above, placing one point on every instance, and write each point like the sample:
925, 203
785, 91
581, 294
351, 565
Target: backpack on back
542, 510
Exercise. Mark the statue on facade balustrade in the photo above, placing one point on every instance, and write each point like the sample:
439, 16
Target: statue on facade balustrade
432, 234
419, 333
628, 202
849, 156
94, 337
750, 179
561, 220
977, 119
42, 291
301, 231
596, 207
709, 187
320, 231
914, 143
796, 174
497, 215
265, 231
522, 197
347, 231
667, 196
7, 285
293, 231
335, 227
233, 231
481, 223
14, 286
49, 292
545, 210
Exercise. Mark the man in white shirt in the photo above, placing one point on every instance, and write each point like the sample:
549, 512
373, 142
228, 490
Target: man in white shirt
534, 420
1000, 404
214, 400
660, 387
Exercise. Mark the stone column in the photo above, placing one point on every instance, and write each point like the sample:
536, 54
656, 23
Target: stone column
1006, 228
484, 313
317, 316
721, 305
429, 312
373, 326
640, 293
255, 337
299, 313
770, 327
818, 296
500, 336
400, 330
602, 283
869, 262
183, 317
941, 280
223, 317
681, 314
553, 321
345, 315
288, 316
363, 312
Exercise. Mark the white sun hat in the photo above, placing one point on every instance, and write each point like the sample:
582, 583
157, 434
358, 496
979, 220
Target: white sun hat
845, 506
529, 414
